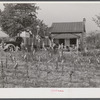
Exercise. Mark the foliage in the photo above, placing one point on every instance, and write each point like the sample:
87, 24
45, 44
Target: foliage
96, 37
18, 17
93, 41
97, 20
43, 28
21, 69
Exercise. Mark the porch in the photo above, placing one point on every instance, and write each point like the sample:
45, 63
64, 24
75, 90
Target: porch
68, 40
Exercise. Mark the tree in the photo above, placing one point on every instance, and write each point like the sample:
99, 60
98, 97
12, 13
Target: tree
97, 20
18, 17
97, 36
41, 32
93, 40
43, 28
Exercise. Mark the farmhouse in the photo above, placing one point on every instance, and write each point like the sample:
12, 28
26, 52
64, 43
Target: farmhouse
69, 33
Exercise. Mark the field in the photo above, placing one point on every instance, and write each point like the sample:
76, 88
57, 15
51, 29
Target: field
42, 69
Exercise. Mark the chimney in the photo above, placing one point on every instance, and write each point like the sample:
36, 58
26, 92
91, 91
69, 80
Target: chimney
84, 35
84, 20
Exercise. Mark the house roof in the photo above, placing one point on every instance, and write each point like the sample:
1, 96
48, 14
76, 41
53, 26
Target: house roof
67, 27
63, 36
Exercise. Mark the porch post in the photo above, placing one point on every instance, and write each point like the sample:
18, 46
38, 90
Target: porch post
77, 44
52, 40
64, 42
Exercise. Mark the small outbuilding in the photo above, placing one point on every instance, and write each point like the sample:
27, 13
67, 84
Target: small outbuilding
3, 34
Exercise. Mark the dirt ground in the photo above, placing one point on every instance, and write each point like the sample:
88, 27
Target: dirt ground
41, 69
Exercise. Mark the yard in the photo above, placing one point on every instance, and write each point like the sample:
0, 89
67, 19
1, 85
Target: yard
43, 69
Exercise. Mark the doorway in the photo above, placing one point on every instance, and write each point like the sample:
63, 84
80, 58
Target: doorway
62, 41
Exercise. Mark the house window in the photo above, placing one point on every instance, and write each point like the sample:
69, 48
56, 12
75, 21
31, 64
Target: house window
73, 41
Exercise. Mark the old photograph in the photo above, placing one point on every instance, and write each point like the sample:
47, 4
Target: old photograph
50, 45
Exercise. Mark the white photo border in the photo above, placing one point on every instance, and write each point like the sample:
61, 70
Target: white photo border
49, 92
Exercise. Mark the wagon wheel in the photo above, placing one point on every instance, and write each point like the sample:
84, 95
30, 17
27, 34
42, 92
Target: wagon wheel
11, 48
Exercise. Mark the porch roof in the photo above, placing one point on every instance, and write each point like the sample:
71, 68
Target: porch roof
65, 36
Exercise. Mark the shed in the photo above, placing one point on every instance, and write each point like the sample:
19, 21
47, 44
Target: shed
3, 34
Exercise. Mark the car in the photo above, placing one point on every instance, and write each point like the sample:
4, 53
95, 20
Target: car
11, 46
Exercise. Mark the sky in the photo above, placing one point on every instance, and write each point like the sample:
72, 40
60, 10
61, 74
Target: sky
68, 12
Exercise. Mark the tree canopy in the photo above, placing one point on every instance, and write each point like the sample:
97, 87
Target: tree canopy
18, 17
97, 20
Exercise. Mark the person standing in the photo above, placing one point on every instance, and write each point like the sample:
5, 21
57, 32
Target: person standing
19, 40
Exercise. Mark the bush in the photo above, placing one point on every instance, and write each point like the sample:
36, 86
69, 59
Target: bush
94, 52
98, 45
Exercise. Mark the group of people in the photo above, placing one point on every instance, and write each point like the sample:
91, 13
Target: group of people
64, 47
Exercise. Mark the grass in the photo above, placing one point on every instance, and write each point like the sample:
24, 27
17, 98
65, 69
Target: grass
45, 69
